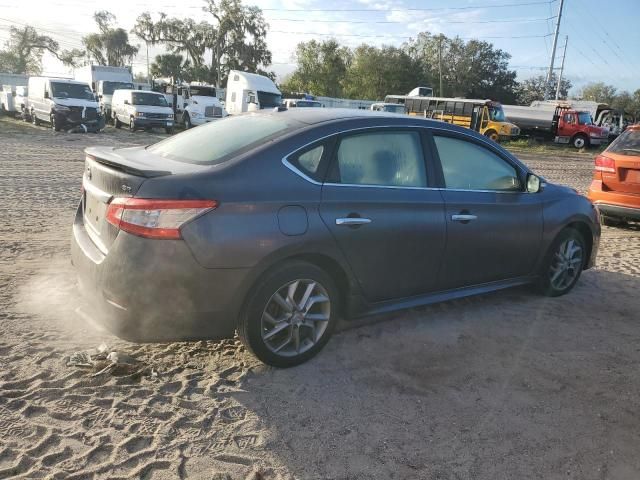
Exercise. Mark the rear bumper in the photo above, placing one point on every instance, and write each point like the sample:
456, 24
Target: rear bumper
614, 204
154, 290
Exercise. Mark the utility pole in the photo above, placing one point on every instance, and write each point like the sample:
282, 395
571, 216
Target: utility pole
440, 64
553, 52
566, 40
148, 75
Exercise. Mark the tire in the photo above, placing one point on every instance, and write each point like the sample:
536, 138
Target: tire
169, 130
563, 265
271, 322
580, 141
117, 123
54, 125
34, 119
492, 135
132, 125
186, 119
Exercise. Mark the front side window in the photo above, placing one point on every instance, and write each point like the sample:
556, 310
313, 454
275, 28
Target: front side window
469, 166
584, 118
496, 114
381, 158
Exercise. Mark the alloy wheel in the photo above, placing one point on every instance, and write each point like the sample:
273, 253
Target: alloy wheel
566, 264
295, 318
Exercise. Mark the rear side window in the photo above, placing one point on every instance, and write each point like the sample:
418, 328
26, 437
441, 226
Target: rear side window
381, 158
469, 166
309, 161
628, 143
217, 141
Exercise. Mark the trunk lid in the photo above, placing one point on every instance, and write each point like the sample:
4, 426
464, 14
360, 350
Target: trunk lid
110, 173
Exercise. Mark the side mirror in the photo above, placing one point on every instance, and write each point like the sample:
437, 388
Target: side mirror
46, 94
126, 102
534, 184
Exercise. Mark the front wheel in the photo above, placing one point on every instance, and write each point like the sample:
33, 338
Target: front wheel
563, 264
55, 126
492, 134
116, 123
34, 119
290, 315
580, 141
132, 125
187, 121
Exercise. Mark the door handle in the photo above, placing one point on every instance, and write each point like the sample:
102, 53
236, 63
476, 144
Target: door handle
463, 218
351, 221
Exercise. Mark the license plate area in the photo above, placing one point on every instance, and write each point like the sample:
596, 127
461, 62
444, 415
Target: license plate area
94, 213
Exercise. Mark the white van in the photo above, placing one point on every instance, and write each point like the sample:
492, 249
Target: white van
141, 109
389, 107
63, 103
301, 103
247, 92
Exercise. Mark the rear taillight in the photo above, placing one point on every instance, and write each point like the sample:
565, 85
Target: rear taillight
605, 164
150, 218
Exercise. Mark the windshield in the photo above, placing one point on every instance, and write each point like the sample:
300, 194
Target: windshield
216, 142
584, 118
109, 87
148, 98
307, 103
202, 91
496, 114
269, 100
71, 90
394, 108
628, 143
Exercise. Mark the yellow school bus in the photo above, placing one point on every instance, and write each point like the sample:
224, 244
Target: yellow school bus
484, 116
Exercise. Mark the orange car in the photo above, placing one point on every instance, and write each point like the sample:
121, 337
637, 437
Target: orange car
615, 188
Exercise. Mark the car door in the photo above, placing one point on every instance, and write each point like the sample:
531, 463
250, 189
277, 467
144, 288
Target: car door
387, 220
494, 227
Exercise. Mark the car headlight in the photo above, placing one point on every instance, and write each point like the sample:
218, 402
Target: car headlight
170, 116
61, 108
195, 114
139, 114
594, 134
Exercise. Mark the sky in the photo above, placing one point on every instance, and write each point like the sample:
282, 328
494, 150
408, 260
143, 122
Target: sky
603, 36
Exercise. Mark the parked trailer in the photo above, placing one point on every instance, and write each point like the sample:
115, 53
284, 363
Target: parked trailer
562, 124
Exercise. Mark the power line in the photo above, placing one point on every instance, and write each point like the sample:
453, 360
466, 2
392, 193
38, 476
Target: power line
401, 36
505, 5
404, 23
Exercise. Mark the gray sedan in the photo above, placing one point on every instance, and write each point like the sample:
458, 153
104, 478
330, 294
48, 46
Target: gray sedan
275, 224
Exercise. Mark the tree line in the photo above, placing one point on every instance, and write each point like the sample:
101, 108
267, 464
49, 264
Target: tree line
233, 36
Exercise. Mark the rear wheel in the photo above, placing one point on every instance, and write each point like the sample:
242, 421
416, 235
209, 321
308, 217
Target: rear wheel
580, 141
34, 119
117, 123
563, 264
290, 315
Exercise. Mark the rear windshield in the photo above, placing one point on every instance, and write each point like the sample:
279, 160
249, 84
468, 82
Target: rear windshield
148, 98
628, 143
216, 142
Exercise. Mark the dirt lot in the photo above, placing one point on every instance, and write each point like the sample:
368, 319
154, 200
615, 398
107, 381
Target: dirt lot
508, 385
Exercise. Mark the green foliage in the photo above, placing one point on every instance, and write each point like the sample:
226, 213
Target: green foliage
171, 65
469, 69
110, 46
24, 49
322, 69
236, 39
598, 92
533, 89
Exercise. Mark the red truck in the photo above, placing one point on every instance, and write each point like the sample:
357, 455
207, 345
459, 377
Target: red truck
560, 123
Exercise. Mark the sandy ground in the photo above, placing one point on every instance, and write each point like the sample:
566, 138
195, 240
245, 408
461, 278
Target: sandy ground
507, 385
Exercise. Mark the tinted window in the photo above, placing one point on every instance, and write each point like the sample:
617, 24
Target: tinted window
215, 142
381, 158
148, 98
628, 143
310, 160
469, 166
